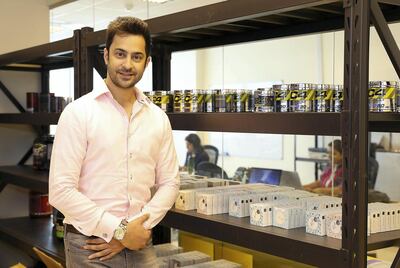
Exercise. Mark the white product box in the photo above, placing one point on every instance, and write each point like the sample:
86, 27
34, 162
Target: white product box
288, 216
204, 203
186, 200
261, 214
334, 225
316, 220
324, 202
239, 205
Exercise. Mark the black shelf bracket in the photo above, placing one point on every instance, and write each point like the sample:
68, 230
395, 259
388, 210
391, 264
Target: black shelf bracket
26, 156
396, 261
385, 35
2, 185
11, 97
99, 64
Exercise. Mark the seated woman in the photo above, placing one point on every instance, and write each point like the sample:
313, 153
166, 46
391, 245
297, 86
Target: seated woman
324, 184
194, 151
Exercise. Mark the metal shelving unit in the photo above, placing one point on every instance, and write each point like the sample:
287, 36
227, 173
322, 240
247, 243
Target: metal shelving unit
250, 20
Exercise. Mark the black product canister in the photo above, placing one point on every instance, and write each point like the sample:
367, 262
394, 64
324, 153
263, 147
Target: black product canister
178, 101
162, 100
220, 103
230, 100
264, 100
58, 219
337, 99
323, 98
47, 102
293, 97
201, 100
209, 101
42, 148
190, 101
244, 102
305, 98
281, 98
149, 95
398, 98
382, 96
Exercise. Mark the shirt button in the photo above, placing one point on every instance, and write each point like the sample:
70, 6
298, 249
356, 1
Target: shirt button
130, 155
131, 177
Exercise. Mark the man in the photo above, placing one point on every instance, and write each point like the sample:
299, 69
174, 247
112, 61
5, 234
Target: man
111, 146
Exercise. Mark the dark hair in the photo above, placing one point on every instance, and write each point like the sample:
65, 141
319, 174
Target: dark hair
195, 140
128, 25
337, 145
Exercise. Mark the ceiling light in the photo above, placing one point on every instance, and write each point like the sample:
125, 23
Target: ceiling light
157, 1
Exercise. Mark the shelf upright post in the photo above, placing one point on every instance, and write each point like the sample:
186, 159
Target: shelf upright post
83, 63
354, 128
161, 59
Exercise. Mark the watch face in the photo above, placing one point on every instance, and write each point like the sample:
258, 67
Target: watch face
119, 233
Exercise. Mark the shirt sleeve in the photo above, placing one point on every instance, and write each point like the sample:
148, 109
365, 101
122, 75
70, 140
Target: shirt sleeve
69, 150
167, 180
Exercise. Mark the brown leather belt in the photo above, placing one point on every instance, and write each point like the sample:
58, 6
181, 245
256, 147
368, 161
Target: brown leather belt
71, 229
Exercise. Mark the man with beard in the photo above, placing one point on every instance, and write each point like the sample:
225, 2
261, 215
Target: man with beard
111, 147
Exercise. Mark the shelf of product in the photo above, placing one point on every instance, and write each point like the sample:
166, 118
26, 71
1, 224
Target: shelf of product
384, 96
26, 232
25, 176
45, 102
56, 54
30, 118
238, 208
272, 240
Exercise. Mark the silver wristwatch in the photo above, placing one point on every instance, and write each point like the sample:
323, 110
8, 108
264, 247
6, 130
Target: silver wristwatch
120, 232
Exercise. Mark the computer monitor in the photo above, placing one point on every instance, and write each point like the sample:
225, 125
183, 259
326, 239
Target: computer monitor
275, 177
265, 175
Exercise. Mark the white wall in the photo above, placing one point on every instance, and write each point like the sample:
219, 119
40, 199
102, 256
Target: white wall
22, 24
259, 62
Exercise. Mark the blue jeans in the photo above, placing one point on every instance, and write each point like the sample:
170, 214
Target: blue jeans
76, 257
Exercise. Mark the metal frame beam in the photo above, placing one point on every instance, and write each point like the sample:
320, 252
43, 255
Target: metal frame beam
99, 64
11, 97
26, 156
354, 123
396, 261
2, 185
161, 59
385, 35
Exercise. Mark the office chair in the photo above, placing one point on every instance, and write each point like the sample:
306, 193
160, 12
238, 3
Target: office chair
212, 152
210, 170
373, 167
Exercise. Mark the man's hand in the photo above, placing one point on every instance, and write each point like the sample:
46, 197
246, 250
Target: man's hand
136, 236
105, 251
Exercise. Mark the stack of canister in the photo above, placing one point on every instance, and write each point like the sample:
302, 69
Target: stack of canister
384, 96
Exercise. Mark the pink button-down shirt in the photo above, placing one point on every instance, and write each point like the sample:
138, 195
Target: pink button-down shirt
104, 164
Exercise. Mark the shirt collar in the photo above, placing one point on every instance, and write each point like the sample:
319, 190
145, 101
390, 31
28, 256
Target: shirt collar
103, 89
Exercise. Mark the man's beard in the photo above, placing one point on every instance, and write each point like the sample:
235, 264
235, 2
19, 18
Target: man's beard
113, 76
